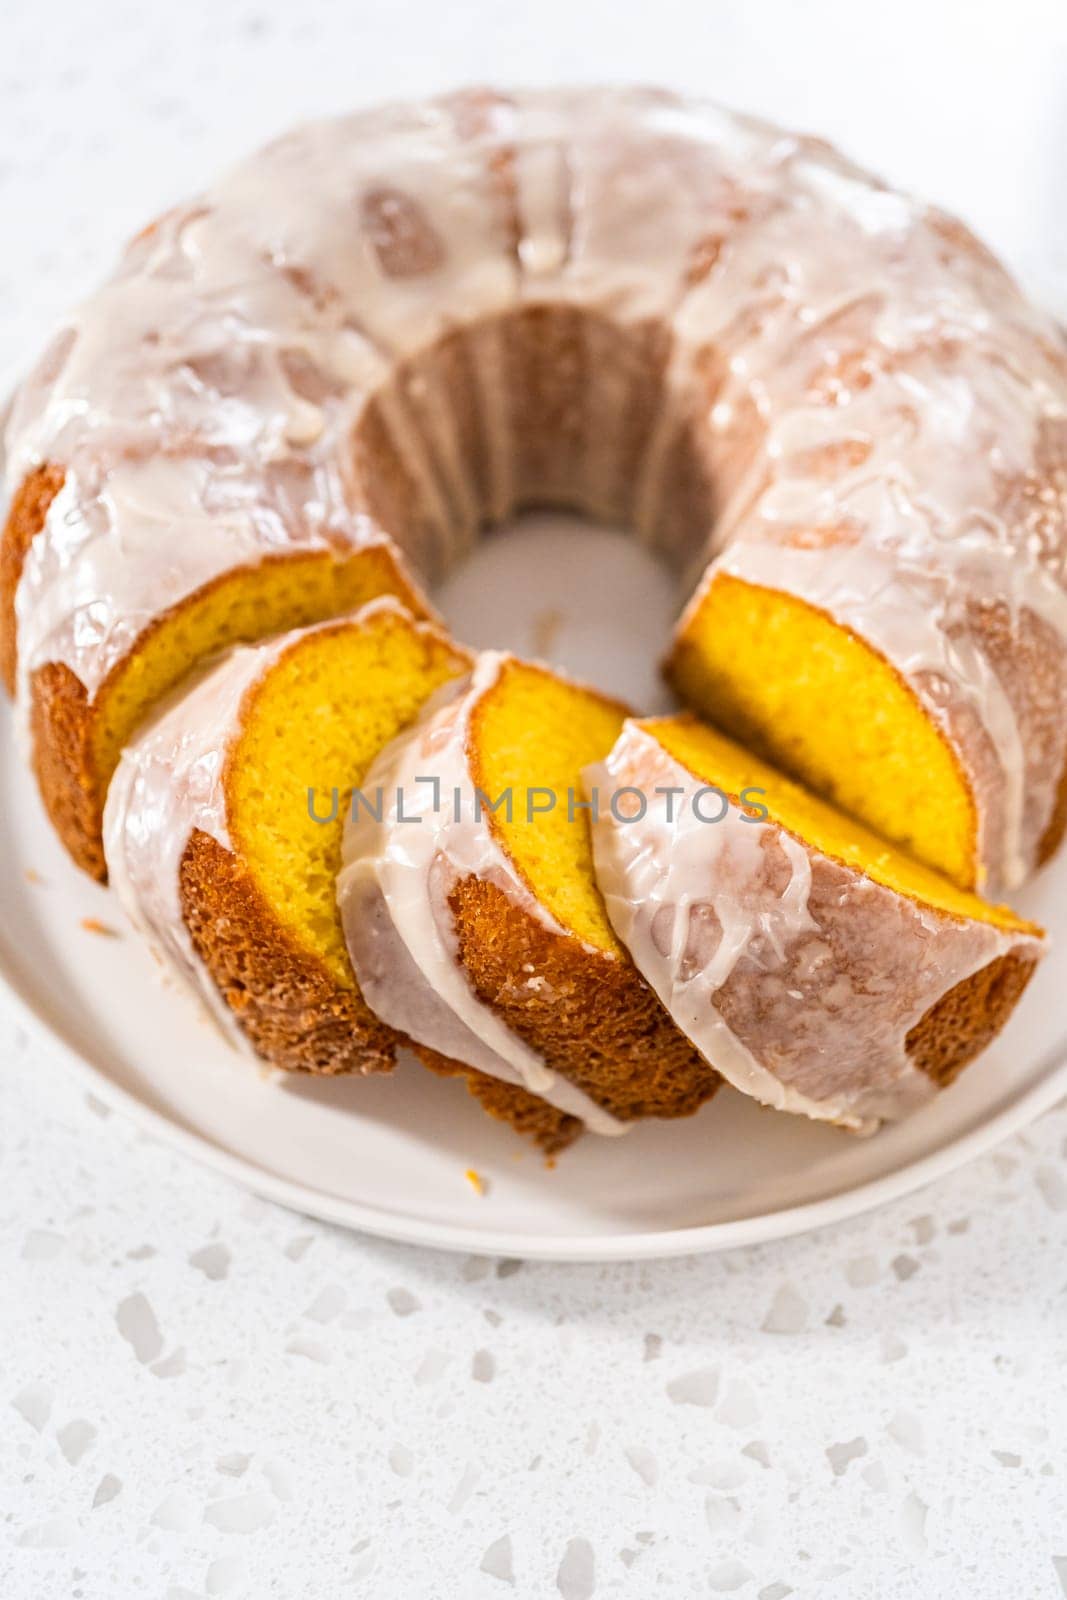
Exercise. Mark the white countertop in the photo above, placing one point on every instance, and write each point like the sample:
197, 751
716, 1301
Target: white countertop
202, 1394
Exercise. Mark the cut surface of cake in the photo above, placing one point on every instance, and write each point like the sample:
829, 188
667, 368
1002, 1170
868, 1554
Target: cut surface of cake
224, 820
819, 969
471, 911
782, 677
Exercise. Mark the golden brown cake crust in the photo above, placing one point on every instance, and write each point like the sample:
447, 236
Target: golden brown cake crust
293, 1011
62, 725
592, 1018
968, 1017
951, 1034
25, 521
553, 1130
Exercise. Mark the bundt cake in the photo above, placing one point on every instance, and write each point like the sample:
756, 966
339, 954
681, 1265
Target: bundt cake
387, 329
472, 917
816, 967
223, 823
826, 404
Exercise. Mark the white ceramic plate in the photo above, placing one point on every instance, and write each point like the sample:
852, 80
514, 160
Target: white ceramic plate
389, 1155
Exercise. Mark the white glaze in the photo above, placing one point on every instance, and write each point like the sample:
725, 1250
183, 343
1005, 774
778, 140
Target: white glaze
393, 890
879, 384
168, 783
796, 977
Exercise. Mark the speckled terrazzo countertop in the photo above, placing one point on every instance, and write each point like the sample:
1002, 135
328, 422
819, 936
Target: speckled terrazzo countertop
206, 1395
202, 1394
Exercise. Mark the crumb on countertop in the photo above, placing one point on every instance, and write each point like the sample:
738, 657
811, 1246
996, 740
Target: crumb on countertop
32, 875
476, 1181
545, 630
94, 925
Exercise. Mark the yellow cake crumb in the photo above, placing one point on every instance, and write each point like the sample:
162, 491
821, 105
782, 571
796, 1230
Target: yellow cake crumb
787, 681
301, 737
94, 925
716, 759
534, 732
476, 1181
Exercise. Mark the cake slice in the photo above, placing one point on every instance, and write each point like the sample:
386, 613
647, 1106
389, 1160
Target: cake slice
474, 922
223, 828
816, 967
79, 721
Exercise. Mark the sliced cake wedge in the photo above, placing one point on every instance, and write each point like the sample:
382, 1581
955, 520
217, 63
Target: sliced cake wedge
223, 827
818, 968
474, 922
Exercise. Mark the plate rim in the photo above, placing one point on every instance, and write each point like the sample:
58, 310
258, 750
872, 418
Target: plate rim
647, 1245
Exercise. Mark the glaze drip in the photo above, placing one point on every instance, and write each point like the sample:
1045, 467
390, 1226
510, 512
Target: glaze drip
797, 977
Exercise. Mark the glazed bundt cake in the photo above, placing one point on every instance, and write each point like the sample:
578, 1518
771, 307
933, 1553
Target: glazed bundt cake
822, 971
826, 404
472, 916
387, 329
223, 828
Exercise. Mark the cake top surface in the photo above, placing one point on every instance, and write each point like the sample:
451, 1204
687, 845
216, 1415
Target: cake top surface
901, 386
883, 414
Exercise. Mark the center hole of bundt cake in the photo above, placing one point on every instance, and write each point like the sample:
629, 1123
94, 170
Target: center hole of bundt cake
554, 587
546, 409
